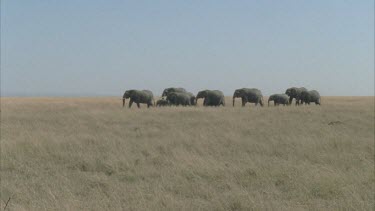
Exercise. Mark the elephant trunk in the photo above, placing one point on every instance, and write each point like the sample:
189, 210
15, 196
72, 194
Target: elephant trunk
123, 102
269, 102
233, 100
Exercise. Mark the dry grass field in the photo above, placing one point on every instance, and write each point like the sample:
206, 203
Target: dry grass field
92, 154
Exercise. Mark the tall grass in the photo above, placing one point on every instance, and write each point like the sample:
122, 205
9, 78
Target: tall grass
92, 154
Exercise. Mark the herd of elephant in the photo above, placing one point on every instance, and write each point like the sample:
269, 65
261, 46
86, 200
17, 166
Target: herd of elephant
179, 96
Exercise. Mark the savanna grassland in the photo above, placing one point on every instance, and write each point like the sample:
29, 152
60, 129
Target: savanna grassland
92, 154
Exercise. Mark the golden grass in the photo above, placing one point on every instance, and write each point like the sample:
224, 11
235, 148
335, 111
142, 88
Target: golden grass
92, 154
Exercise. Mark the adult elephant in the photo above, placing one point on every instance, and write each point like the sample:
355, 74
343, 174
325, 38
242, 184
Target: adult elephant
308, 97
211, 97
138, 96
172, 89
179, 98
248, 96
279, 99
295, 93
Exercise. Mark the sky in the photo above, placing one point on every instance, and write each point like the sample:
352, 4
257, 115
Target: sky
102, 48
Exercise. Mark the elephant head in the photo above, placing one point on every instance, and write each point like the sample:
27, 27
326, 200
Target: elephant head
128, 94
125, 96
271, 98
291, 92
201, 94
165, 93
193, 100
237, 93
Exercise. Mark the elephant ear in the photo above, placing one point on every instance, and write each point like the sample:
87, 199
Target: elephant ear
127, 93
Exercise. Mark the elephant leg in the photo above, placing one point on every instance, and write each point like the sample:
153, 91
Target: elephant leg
274, 103
207, 102
130, 103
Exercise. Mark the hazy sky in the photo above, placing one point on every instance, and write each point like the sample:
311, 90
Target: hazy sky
87, 47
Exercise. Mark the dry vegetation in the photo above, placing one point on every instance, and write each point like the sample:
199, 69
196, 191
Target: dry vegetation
92, 154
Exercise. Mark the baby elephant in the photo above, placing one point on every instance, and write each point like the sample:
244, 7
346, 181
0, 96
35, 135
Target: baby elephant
279, 99
162, 102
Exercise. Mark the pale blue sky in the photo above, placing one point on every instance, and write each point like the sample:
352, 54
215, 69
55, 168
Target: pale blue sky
87, 47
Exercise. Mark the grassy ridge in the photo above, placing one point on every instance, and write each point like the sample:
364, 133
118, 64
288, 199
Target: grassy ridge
90, 153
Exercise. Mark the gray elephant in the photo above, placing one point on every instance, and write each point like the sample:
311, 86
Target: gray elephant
138, 96
211, 97
192, 98
279, 99
162, 102
295, 93
248, 96
179, 98
308, 97
172, 89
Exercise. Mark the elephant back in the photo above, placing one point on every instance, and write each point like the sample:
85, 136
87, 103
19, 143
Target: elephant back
148, 93
217, 93
295, 92
253, 94
172, 89
278, 97
215, 98
283, 96
314, 94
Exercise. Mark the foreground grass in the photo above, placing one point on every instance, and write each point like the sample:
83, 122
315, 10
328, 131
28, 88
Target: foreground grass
60, 153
